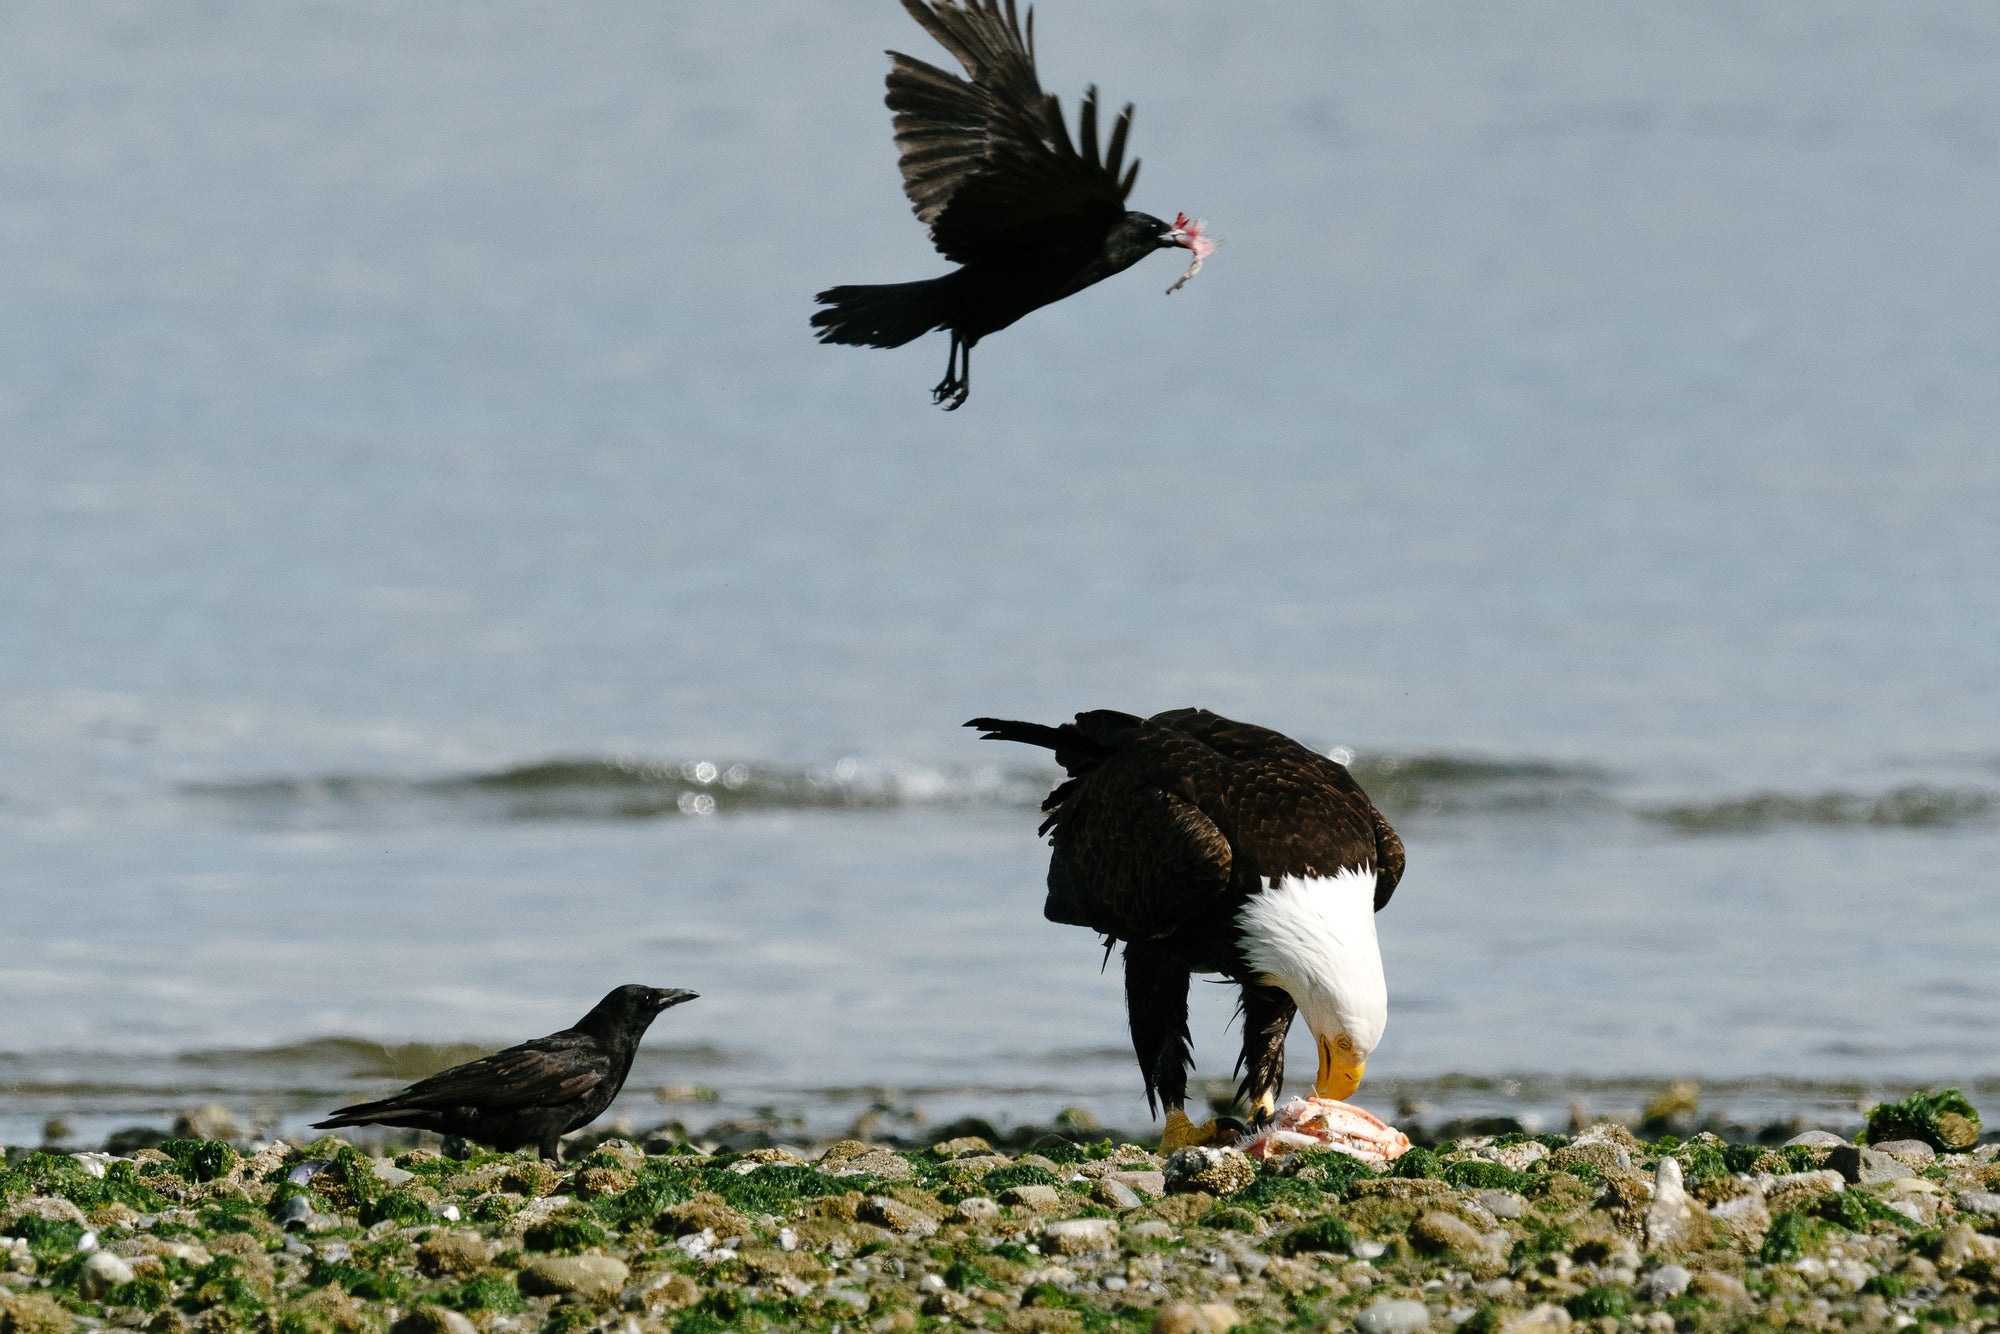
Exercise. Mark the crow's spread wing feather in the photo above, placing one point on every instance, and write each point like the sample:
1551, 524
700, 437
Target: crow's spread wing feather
988, 163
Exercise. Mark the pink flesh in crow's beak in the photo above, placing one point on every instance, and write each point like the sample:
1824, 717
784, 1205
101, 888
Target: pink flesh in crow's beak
1188, 232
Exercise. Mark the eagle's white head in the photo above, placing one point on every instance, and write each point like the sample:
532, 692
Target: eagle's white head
1315, 937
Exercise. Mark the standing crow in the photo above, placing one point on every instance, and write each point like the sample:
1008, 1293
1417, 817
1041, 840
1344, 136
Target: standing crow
989, 165
534, 1093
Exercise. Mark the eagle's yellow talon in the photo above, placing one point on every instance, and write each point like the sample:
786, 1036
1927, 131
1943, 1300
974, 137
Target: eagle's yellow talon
1182, 1133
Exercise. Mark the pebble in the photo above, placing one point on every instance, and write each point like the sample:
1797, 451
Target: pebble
390, 1174
1985, 1203
1079, 1236
1543, 1319
1864, 1166
104, 1271
1387, 1315
975, 1209
1217, 1171
1188, 1318
1041, 1199
1814, 1139
1364, 1249
899, 1217
1151, 1181
1666, 1282
1503, 1203
585, 1276
840, 1292
1115, 1193
1670, 1215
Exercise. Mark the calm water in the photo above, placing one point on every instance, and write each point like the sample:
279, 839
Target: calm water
1591, 424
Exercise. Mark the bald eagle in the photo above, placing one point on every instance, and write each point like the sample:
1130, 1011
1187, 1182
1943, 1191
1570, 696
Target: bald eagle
1212, 846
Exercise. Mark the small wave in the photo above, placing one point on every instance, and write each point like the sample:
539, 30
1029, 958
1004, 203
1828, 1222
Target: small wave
627, 788
1918, 806
1445, 784
621, 788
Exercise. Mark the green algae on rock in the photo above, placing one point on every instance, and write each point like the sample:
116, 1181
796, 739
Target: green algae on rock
1605, 1229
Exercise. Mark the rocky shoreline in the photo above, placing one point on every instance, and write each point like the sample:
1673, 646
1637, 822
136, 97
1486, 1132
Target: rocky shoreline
1601, 1229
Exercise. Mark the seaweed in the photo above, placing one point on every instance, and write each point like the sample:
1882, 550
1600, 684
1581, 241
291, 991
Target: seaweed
1417, 1163
1944, 1120
1330, 1169
1603, 1299
1479, 1174
1856, 1209
1322, 1234
48, 1238
1791, 1232
775, 1185
1020, 1174
568, 1233
59, 1174
1700, 1161
397, 1205
199, 1159
489, 1292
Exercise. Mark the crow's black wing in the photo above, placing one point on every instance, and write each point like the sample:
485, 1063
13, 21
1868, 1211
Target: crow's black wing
988, 162
547, 1071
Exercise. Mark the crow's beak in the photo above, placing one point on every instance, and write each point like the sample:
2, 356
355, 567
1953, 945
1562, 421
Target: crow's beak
668, 997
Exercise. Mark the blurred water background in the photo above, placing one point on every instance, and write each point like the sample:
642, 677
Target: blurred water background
443, 579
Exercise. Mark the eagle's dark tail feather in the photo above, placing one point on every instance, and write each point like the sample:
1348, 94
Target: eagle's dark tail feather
882, 314
1079, 746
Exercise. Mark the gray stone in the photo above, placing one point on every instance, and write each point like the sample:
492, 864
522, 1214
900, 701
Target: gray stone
1805, 1185
1815, 1139
296, 1212
586, 1277
1217, 1171
1116, 1194
102, 1272
209, 1121
1547, 1318
1079, 1236
1150, 1182
840, 1292
1913, 1152
1865, 1166
390, 1174
1985, 1203
1745, 1217
49, 1208
976, 1209
1041, 1199
1387, 1315
897, 1216
1670, 1215
1516, 1156
1665, 1282
1502, 1203
1440, 1231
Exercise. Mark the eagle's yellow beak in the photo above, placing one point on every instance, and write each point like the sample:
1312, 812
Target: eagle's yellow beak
1339, 1070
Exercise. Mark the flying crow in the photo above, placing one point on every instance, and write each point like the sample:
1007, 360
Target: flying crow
1030, 215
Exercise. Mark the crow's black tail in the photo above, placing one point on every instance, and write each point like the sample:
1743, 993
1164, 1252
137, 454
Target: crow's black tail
883, 314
